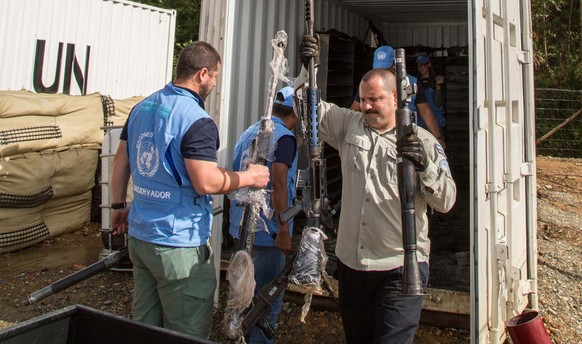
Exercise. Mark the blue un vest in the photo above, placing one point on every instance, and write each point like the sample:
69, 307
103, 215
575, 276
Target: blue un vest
262, 238
166, 210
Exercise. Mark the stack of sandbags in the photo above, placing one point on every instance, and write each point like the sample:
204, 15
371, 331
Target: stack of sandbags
49, 149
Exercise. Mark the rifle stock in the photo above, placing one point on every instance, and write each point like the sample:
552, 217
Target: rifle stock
407, 176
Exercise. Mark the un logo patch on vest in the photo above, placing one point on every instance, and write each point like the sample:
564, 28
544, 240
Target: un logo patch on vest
148, 159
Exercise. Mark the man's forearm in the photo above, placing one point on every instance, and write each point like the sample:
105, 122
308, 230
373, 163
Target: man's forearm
429, 119
209, 179
120, 174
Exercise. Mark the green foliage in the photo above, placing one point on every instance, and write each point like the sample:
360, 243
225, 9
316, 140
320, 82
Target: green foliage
557, 43
187, 20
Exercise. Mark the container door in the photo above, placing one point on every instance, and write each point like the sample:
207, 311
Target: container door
503, 164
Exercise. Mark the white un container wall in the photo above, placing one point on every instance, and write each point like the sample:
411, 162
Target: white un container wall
118, 48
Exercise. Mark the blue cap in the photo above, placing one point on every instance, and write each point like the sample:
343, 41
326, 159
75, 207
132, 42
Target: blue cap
422, 59
383, 57
285, 96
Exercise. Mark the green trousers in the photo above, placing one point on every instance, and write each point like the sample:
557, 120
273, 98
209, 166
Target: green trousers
173, 286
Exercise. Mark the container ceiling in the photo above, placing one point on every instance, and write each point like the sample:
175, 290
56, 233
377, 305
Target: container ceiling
410, 11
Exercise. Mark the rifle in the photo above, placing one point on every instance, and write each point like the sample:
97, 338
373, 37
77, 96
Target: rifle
106, 263
407, 176
311, 193
263, 301
310, 182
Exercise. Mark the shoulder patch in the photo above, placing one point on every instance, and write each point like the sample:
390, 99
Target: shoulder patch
444, 166
440, 149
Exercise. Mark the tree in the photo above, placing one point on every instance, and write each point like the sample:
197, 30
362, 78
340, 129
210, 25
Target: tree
187, 20
557, 27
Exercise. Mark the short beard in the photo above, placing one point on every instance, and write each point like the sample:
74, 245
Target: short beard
204, 92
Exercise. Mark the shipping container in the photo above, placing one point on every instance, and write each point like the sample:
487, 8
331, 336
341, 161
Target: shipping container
483, 260
117, 48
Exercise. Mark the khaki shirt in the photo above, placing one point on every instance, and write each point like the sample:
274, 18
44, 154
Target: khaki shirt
370, 226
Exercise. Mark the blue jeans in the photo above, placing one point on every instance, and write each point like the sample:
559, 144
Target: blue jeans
372, 309
269, 262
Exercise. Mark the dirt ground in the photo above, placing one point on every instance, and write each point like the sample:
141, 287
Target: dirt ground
559, 257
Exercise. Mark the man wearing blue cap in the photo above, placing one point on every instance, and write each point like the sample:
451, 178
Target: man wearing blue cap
384, 59
433, 88
271, 244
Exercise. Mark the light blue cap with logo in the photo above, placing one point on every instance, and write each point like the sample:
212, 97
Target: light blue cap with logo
383, 57
285, 96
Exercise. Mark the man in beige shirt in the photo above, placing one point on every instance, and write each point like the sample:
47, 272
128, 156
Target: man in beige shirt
369, 244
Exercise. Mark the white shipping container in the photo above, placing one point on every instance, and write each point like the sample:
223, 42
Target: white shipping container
496, 205
117, 48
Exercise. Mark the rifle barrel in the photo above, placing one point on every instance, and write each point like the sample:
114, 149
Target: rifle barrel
74, 278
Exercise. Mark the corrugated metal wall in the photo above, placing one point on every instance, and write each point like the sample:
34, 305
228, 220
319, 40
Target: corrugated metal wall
241, 31
118, 48
444, 35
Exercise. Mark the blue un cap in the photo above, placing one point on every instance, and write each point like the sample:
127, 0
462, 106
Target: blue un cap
383, 57
285, 96
422, 59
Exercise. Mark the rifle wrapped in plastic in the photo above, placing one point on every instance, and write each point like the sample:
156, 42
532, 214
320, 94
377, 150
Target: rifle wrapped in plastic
240, 273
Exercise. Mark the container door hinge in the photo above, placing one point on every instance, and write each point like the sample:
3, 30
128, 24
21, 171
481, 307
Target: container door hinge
524, 57
527, 169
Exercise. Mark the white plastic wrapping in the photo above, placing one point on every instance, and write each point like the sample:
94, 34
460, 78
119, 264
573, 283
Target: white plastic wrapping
311, 258
241, 287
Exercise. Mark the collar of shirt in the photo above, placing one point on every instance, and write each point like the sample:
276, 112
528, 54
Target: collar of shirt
196, 95
391, 131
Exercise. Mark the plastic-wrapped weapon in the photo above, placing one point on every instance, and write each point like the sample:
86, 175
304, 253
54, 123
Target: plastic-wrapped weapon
240, 273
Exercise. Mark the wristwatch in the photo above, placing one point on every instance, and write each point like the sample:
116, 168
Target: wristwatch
118, 205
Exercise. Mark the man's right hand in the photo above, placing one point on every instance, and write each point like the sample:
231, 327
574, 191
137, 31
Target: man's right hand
119, 224
259, 174
309, 48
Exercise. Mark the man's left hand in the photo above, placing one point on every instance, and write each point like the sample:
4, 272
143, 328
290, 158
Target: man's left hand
411, 148
309, 48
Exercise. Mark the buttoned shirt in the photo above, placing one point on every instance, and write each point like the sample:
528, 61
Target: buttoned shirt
370, 226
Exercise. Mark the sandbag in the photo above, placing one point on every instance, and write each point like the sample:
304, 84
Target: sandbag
31, 122
67, 214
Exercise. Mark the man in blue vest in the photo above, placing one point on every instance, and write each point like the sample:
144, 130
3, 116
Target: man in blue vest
384, 59
271, 244
168, 147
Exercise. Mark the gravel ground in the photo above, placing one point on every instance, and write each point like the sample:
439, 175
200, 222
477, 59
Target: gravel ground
559, 259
